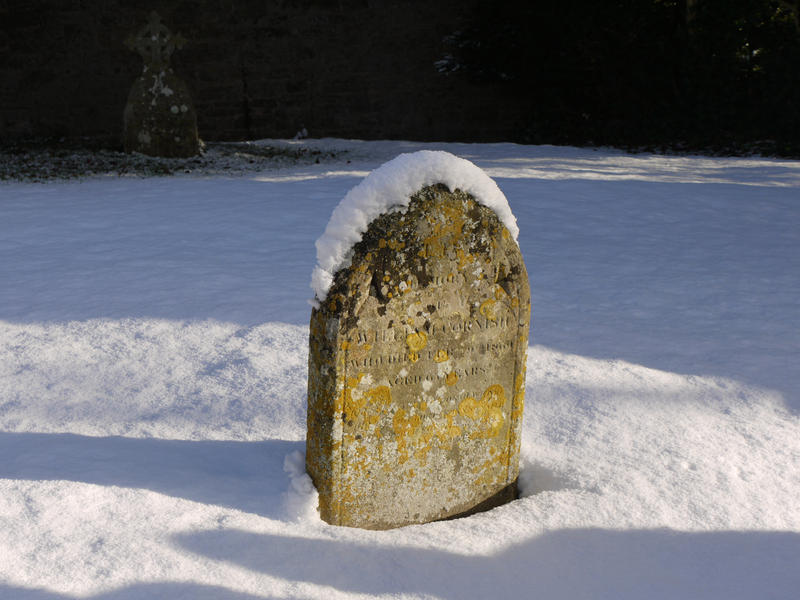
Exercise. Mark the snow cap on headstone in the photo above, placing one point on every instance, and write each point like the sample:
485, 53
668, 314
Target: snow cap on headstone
389, 188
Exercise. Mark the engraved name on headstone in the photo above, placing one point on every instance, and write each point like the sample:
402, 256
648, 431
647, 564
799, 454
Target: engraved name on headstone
417, 368
159, 117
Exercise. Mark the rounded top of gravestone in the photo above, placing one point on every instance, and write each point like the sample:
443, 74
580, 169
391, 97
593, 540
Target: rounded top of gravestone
389, 188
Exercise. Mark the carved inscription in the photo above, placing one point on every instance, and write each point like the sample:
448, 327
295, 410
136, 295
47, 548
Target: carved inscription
417, 367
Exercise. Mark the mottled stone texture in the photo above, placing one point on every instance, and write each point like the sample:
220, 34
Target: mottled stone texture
159, 118
417, 368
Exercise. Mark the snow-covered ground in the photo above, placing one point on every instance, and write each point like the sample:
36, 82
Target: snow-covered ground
153, 342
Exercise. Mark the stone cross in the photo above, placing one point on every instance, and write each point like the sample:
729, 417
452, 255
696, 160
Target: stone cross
417, 368
159, 117
155, 43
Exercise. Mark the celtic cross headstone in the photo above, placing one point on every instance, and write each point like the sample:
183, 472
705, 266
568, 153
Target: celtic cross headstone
159, 118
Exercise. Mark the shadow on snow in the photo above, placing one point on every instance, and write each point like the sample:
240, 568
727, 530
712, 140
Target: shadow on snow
238, 475
570, 563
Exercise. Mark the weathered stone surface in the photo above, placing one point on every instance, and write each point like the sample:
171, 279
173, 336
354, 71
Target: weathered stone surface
159, 118
417, 368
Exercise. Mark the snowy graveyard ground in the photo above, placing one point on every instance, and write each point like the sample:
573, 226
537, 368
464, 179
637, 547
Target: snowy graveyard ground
153, 344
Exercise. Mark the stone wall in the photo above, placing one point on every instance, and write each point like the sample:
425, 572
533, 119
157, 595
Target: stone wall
347, 68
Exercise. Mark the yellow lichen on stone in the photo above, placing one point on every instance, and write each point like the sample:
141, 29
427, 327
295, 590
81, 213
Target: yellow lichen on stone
487, 309
470, 408
440, 356
490, 476
494, 396
495, 423
404, 427
421, 454
452, 378
347, 403
446, 229
488, 411
380, 395
493, 401
445, 430
464, 258
453, 431
519, 396
417, 341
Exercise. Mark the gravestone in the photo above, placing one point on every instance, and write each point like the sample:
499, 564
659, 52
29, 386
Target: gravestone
417, 367
159, 117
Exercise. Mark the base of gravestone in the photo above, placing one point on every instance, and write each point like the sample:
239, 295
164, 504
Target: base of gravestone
504, 496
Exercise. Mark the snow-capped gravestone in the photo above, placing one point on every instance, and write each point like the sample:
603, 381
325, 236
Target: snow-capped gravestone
417, 347
159, 118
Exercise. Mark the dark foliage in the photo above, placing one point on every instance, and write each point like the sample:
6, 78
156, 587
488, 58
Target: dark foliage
710, 74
